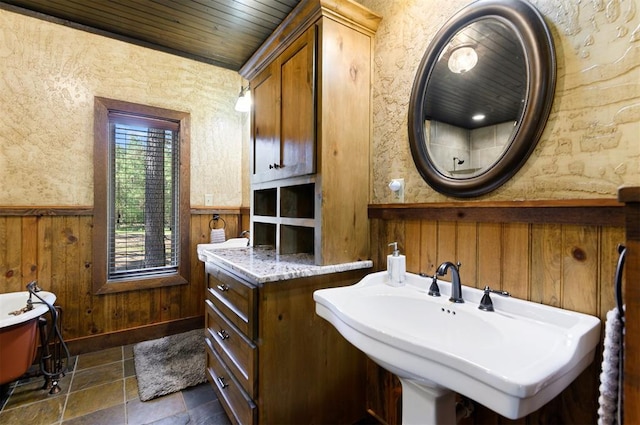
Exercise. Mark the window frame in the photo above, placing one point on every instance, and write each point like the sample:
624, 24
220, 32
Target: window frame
101, 283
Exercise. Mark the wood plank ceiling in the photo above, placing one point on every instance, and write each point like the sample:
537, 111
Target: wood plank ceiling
224, 33
495, 87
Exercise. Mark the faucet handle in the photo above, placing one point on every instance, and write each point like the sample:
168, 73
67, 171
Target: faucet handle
434, 289
497, 291
485, 303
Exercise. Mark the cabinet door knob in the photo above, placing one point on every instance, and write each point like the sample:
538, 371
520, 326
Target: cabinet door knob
276, 166
222, 383
223, 334
222, 288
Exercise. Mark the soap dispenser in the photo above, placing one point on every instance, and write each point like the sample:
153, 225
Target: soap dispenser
396, 266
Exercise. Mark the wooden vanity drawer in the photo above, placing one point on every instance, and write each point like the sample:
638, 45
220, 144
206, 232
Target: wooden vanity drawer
238, 405
235, 299
236, 350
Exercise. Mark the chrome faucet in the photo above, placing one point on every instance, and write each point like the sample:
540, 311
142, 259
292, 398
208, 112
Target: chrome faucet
456, 287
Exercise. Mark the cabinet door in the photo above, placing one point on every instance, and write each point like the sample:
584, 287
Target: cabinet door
297, 114
266, 145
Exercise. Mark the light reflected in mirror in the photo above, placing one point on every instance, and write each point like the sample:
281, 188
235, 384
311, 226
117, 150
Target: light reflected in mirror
481, 97
475, 98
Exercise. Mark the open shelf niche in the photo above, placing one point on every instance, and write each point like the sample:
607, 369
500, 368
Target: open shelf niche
283, 215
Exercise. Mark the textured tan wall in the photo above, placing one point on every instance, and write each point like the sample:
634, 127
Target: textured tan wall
49, 75
591, 144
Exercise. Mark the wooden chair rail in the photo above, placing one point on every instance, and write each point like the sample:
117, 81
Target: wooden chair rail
39, 211
596, 212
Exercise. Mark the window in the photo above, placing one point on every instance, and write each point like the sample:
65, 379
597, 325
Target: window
141, 197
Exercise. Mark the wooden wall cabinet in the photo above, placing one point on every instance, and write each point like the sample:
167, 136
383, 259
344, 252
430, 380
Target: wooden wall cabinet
272, 360
283, 113
311, 130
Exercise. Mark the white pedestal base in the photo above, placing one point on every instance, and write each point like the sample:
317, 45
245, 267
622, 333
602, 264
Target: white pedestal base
423, 405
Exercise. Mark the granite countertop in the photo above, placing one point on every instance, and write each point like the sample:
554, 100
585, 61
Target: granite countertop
260, 265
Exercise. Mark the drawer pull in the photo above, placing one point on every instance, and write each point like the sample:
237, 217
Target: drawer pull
223, 334
223, 384
222, 288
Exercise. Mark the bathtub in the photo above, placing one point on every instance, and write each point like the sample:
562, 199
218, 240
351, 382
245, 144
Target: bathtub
18, 333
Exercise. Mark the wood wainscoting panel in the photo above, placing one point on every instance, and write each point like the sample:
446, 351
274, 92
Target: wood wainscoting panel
11, 262
490, 254
516, 259
447, 244
580, 269
54, 247
413, 243
562, 257
29, 248
546, 247
467, 250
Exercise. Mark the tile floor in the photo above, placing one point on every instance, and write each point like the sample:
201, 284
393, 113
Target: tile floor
101, 388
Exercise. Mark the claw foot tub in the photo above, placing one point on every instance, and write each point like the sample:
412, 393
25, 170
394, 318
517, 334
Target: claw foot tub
19, 332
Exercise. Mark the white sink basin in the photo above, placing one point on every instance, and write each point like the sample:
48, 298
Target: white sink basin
512, 360
229, 243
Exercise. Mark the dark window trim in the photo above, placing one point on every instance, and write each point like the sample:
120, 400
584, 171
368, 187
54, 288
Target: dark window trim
101, 285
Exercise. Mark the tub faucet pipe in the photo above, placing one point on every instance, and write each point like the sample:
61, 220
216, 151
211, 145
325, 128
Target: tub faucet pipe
52, 365
46, 359
32, 287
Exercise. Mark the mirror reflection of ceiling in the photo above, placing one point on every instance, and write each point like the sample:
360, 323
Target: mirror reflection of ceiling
495, 86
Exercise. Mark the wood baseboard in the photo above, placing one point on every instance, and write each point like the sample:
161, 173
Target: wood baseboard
133, 335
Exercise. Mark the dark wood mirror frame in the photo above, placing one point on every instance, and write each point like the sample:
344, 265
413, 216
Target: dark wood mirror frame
537, 43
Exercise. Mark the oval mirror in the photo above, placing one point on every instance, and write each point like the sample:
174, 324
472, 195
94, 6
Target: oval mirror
481, 97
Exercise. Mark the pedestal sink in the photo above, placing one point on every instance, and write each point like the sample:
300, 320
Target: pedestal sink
512, 360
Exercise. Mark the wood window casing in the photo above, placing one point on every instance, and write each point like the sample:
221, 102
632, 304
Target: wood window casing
101, 282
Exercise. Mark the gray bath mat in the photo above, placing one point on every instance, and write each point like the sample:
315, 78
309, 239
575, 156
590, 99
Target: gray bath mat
169, 364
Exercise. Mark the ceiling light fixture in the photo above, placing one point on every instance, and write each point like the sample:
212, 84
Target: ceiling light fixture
462, 59
243, 104
478, 117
